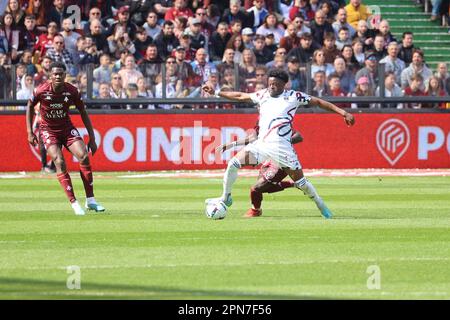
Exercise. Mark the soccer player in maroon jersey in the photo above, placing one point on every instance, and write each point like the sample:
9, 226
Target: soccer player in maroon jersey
56, 130
270, 178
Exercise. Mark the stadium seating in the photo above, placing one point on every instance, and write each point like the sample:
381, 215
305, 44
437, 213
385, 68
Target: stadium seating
430, 36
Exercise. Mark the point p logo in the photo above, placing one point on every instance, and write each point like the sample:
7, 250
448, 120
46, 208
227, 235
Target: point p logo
393, 140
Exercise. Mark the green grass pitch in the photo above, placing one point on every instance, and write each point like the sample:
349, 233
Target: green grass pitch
156, 243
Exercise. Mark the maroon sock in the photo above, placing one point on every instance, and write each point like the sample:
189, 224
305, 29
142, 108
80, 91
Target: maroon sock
66, 184
256, 197
88, 180
279, 186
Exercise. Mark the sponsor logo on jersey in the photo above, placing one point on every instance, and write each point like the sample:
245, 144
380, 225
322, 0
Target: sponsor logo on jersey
56, 113
56, 106
393, 140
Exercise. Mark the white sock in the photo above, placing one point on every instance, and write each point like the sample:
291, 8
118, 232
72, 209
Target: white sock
90, 200
75, 204
309, 190
230, 176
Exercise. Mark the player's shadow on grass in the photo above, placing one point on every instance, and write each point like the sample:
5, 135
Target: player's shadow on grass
335, 217
18, 288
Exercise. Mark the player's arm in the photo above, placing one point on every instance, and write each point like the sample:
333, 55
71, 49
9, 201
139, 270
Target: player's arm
230, 95
348, 117
241, 142
92, 145
32, 139
79, 104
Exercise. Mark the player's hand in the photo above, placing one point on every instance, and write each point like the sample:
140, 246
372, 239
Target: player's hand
208, 89
92, 146
32, 139
349, 119
222, 148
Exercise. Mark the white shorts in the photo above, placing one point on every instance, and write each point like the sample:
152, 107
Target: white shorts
282, 153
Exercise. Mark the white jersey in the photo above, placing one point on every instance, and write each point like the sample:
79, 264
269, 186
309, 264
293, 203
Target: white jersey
277, 113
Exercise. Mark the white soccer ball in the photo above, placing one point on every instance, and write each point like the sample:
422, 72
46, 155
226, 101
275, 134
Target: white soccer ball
216, 210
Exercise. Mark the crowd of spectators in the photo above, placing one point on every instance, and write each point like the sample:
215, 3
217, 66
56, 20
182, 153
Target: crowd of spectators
127, 45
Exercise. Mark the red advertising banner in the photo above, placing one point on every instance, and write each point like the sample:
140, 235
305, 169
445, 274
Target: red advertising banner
187, 141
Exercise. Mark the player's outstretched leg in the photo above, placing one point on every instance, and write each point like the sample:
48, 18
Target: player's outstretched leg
256, 197
63, 176
66, 184
78, 149
241, 159
88, 183
229, 178
309, 190
43, 152
256, 194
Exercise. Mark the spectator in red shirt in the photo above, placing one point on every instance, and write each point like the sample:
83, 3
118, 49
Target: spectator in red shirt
302, 7
334, 85
291, 40
45, 41
179, 9
413, 90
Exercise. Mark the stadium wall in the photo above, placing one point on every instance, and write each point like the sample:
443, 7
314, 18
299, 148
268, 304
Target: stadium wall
144, 142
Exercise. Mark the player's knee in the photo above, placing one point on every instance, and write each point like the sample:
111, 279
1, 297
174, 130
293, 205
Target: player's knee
84, 158
59, 162
234, 164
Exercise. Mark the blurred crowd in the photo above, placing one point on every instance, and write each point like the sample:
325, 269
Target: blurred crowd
128, 48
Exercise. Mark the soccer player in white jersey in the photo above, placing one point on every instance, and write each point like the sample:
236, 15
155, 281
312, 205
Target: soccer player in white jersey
276, 113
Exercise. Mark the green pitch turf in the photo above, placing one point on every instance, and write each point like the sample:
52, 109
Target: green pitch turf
156, 243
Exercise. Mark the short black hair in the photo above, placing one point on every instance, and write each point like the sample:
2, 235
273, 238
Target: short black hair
406, 33
58, 64
279, 74
168, 23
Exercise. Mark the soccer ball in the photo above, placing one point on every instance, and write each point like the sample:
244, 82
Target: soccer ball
216, 210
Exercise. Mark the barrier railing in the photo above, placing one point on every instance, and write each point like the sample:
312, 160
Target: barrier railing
92, 102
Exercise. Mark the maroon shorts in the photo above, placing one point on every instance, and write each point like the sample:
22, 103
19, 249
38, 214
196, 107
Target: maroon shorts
65, 137
271, 172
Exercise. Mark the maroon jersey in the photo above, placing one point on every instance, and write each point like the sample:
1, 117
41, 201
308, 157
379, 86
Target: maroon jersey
54, 107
